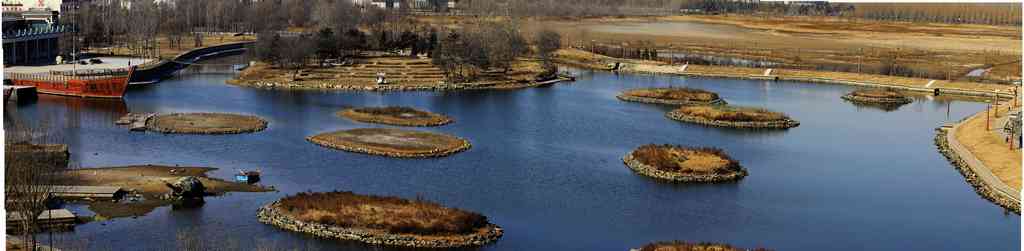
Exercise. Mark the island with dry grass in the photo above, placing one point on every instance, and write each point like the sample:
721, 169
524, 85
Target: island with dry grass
671, 96
396, 143
205, 123
733, 116
379, 220
400, 74
691, 246
888, 97
684, 164
395, 115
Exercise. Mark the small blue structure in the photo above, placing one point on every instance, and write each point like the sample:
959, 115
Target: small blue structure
248, 177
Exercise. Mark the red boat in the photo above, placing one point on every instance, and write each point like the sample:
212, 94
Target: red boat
110, 86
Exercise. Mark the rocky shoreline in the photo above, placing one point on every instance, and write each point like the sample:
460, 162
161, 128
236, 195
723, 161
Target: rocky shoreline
852, 97
631, 98
653, 172
268, 214
781, 124
241, 124
970, 176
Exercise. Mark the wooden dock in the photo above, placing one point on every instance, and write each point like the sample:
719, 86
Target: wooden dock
89, 192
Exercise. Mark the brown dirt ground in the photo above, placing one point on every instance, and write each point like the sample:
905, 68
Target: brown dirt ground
394, 116
992, 149
391, 140
147, 180
212, 123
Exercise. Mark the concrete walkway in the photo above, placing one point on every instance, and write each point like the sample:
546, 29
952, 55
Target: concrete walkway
108, 63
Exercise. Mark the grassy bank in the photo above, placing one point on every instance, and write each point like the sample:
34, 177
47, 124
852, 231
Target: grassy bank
579, 58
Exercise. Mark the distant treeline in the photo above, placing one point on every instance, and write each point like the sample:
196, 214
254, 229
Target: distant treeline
974, 13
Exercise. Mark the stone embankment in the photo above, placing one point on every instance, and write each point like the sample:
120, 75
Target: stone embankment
268, 214
780, 124
654, 172
985, 184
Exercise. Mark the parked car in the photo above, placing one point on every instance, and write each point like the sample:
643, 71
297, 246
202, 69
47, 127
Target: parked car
95, 61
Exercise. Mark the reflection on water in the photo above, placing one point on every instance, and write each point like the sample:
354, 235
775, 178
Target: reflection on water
546, 166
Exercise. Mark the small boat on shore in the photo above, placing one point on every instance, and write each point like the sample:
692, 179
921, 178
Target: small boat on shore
248, 177
103, 86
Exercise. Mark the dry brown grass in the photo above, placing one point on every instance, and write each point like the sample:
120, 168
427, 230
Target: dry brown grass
877, 93
691, 246
674, 93
991, 148
732, 113
685, 159
391, 214
827, 44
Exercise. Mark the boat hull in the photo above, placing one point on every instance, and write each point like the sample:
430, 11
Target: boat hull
88, 88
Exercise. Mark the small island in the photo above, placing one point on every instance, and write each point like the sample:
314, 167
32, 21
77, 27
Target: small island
684, 164
205, 123
396, 143
379, 220
733, 116
395, 115
671, 96
878, 97
691, 246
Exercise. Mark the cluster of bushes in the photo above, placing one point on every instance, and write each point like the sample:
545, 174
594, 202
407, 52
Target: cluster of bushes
395, 215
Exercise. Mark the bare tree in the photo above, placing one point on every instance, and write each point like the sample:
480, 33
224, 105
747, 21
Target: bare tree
29, 175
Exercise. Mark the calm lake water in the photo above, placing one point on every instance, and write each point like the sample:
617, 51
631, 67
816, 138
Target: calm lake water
546, 165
